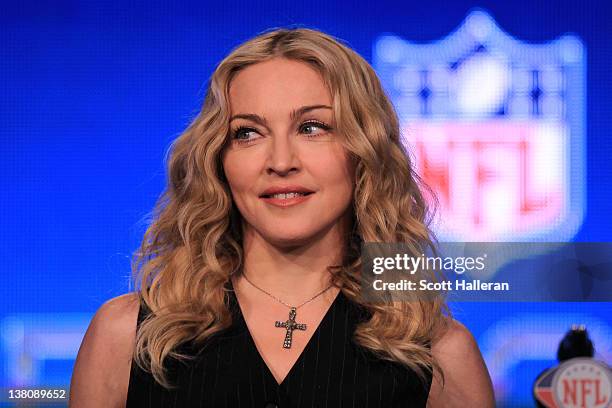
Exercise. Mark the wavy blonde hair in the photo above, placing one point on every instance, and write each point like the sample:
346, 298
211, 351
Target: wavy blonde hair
194, 243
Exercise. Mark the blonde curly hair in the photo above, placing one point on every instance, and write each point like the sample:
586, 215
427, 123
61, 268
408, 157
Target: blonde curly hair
194, 243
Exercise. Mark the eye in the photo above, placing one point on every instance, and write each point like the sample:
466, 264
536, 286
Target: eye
240, 131
315, 123
241, 134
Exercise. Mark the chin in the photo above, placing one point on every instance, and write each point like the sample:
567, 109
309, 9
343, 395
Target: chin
286, 238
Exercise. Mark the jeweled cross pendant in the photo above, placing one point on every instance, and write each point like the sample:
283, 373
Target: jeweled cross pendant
290, 325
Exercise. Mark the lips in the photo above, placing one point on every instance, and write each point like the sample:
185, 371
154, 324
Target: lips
285, 201
285, 189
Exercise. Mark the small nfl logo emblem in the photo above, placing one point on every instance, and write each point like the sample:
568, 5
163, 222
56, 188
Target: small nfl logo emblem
577, 383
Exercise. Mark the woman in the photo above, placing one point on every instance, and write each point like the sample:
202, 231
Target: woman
249, 276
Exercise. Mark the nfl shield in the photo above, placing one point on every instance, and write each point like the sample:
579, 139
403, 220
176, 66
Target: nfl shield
495, 126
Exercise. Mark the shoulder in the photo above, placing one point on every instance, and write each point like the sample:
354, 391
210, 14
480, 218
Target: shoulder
102, 368
466, 378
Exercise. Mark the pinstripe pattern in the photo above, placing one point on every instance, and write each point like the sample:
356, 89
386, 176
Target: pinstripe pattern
331, 372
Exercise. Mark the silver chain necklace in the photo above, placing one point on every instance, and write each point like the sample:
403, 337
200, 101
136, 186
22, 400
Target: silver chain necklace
290, 324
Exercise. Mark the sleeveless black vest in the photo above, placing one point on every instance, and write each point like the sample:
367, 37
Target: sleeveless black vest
331, 372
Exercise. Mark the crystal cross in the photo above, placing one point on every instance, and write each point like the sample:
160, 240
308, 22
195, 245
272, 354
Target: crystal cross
291, 325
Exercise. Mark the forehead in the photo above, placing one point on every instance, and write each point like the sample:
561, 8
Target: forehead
276, 84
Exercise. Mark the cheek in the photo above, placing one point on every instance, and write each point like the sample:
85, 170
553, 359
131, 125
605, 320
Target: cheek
332, 171
239, 173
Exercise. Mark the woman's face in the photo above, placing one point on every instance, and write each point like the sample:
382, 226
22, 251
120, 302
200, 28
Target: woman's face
277, 149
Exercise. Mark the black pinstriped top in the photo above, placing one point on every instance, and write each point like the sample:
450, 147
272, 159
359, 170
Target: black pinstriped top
331, 372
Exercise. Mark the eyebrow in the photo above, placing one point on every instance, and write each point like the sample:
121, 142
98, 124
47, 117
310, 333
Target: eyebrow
296, 113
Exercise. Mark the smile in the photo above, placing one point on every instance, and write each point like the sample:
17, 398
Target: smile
286, 199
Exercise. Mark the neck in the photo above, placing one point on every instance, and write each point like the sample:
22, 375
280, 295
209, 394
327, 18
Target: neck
293, 274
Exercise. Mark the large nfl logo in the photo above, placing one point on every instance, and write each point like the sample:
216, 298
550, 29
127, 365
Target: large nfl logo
497, 128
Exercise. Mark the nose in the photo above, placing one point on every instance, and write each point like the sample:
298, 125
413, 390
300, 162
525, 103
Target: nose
283, 155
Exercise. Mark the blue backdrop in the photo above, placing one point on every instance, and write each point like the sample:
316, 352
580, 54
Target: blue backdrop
93, 93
